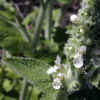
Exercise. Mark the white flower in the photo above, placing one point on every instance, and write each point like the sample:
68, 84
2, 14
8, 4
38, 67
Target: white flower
81, 30
73, 18
58, 60
51, 70
56, 83
78, 61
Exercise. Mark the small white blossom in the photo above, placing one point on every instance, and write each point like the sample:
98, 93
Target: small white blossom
73, 18
58, 60
56, 83
51, 70
81, 30
78, 61
60, 75
56, 67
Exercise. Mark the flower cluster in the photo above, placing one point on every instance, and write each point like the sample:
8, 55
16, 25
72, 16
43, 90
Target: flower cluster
56, 67
56, 83
55, 71
74, 50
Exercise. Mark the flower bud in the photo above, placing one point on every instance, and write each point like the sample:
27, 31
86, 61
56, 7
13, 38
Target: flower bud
74, 18
58, 60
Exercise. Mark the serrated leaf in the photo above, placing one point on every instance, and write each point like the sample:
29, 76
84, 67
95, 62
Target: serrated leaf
35, 70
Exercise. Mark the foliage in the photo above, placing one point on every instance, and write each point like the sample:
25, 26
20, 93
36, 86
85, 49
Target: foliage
64, 1
77, 72
37, 33
33, 71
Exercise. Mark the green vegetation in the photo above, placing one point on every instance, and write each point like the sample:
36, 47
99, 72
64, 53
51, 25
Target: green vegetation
49, 50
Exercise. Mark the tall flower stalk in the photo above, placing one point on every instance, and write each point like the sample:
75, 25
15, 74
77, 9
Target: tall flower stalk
76, 47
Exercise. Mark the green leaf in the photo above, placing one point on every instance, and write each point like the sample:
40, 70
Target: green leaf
9, 73
35, 94
7, 85
30, 17
35, 70
64, 1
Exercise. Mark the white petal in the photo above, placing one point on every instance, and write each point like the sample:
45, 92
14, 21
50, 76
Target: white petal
56, 86
73, 18
78, 61
51, 70
56, 83
56, 67
58, 60
60, 75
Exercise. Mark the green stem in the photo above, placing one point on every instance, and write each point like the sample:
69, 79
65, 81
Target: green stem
23, 90
29, 94
49, 20
38, 25
23, 31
